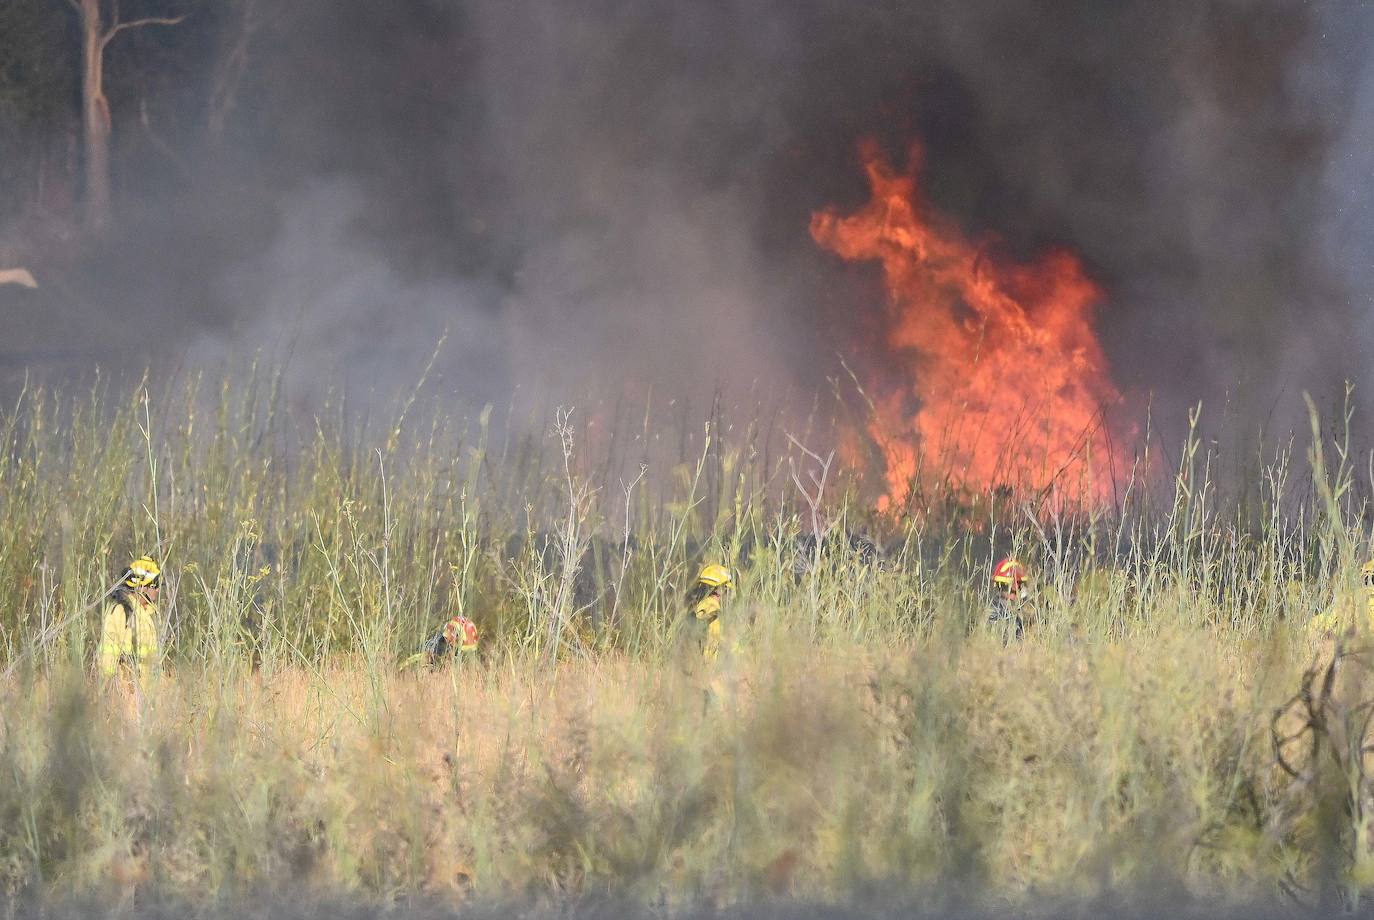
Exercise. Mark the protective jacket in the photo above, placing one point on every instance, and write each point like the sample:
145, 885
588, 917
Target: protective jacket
1332, 619
1009, 616
128, 634
707, 614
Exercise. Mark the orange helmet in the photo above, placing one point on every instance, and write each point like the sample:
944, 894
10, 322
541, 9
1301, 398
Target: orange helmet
461, 633
1010, 574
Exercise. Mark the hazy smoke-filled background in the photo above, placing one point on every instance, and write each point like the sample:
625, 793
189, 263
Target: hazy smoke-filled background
609, 197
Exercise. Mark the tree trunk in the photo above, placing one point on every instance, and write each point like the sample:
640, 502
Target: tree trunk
95, 115
230, 65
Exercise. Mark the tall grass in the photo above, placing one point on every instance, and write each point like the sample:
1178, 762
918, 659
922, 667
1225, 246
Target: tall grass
868, 735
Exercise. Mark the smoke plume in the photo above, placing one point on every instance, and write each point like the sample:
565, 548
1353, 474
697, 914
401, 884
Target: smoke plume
597, 198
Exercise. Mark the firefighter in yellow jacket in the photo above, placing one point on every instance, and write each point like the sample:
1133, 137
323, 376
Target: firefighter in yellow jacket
128, 632
707, 600
1332, 621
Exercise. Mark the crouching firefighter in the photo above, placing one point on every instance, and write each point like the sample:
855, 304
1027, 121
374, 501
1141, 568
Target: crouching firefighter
458, 636
1010, 611
128, 630
1340, 617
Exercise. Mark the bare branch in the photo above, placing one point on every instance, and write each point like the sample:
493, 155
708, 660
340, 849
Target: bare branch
232, 63
803, 448
157, 140
872, 408
139, 23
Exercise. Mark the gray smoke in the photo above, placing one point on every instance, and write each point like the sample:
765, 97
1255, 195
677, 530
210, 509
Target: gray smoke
600, 198
633, 145
335, 314
1344, 238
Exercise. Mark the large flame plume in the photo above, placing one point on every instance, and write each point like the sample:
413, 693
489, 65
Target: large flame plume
1005, 384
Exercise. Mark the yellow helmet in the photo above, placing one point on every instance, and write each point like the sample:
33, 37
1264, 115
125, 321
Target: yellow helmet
715, 576
1367, 574
143, 573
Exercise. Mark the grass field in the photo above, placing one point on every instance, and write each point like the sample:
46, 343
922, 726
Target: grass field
867, 737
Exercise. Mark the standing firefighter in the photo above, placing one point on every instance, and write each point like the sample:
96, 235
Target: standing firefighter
1010, 609
706, 600
128, 631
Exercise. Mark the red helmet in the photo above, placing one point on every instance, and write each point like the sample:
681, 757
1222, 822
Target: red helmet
461, 633
1010, 574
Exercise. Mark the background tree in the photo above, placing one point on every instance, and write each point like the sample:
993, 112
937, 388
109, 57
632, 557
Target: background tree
37, 89
243, 20
100, 24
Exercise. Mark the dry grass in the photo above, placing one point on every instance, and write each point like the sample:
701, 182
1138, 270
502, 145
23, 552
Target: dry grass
871, 738
819, 772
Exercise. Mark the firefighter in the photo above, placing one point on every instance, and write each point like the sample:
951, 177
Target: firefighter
458, 636
128, 631
1010, 610
1331, 620
706, 601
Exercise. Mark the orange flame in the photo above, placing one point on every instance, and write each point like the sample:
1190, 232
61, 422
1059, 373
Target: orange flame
1005, 382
